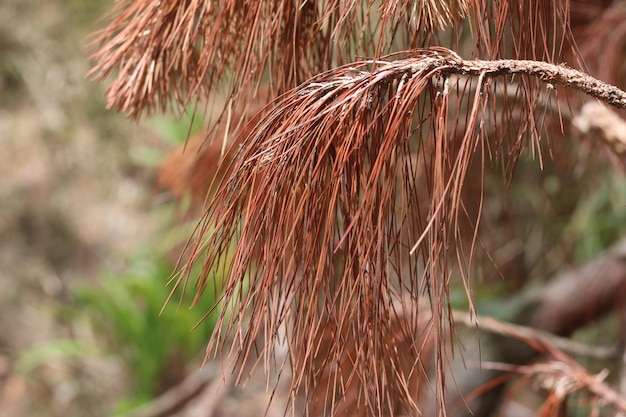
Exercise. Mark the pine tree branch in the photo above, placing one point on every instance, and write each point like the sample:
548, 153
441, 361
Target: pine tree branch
159, 58
308, 208
444, 62
549, 73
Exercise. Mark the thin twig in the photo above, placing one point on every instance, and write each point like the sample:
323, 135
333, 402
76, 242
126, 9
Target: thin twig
177, 397
207, 401
569, 346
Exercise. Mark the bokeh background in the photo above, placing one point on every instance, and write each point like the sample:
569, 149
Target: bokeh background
85, 243
88, 240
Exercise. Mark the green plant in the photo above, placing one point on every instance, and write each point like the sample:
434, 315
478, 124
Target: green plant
127, 311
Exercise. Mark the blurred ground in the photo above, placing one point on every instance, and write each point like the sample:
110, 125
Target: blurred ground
72, 203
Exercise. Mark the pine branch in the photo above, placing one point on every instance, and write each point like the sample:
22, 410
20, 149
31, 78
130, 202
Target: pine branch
447, 62
327, 200
160, 57
549, 73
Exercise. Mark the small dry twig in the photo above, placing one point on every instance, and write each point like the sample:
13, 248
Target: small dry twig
178, 397
525, 333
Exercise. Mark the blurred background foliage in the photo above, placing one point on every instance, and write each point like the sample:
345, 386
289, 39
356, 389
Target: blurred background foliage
88, 242
155, 342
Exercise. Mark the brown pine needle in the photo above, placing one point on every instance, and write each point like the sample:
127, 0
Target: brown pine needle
322, 205
161, 56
